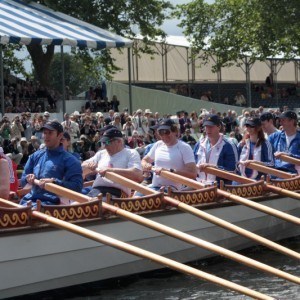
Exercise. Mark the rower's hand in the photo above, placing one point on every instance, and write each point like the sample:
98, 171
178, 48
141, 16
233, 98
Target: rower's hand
92, 166
158, 170
43, 181
103, 171
205, 165
30, 178
147, 167
245, 163
277, 154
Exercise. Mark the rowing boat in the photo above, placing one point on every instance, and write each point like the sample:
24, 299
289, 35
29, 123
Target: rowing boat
36, 257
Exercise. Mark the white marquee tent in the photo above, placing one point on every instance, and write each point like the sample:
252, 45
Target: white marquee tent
31, 23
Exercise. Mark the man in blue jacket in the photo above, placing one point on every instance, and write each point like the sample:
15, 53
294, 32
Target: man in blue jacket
215, 150
286, 141
51, 165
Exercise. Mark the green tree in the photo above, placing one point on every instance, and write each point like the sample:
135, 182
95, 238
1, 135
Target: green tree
231, 29
123, 17
77, 76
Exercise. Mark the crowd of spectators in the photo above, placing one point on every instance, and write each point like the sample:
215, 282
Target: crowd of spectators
22, 135
29, 96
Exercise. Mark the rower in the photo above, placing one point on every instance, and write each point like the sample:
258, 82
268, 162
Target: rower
51, 164
116, 158
4, 176
254, 148
170, 154
215, 150
287, 142
267, 122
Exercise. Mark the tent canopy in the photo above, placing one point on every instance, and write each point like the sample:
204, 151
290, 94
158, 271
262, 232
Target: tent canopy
22, 23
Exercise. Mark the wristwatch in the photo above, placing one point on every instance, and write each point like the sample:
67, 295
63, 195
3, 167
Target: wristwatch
172, 170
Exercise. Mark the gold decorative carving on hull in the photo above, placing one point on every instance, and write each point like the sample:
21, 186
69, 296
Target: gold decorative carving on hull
292, 184
246, 190
138, 204
14, 217
75, 212
14, 220
193, 197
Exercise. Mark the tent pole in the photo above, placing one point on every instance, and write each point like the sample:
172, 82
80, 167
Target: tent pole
2, 80
129, 81
63, 79
248, 82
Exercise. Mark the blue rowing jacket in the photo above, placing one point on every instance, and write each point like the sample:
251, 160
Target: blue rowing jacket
58, 164
278, 141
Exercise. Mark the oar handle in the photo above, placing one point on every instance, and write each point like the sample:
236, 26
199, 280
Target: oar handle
268, 170
227, 175
181, 179
290, 159
129, 183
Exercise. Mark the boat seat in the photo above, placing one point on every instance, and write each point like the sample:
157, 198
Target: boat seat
194, 197
248, 190
15, 217
73, 212
138, 204
292, 184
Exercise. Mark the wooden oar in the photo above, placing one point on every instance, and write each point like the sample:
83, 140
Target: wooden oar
234, 198
271, 171
174, 233
241, 179
92, 235
289, 159
205, 216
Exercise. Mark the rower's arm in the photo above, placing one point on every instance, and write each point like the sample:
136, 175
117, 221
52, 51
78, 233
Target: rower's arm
189, 170
132, 173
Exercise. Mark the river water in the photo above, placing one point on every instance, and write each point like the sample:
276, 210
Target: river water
169, 285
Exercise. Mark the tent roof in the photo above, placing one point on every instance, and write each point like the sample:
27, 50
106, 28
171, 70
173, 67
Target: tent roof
22, 23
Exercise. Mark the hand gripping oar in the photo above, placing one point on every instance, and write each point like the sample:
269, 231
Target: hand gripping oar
100, 238
271, 171
233, 198
289, 159
241, 179
205, 216
173, 232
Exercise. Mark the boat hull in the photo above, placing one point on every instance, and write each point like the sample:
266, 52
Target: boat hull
44, 258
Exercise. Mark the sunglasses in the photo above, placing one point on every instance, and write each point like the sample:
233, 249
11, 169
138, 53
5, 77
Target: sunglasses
164, 132
247, 125
108, 142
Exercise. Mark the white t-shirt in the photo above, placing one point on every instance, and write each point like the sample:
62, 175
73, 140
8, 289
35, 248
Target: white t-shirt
289, 138
173, 157
125, 159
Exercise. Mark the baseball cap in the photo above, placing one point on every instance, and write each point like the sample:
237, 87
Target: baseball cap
53, 125
253, 122
266, 116
166, 124
288, 115
110, 134
212, 120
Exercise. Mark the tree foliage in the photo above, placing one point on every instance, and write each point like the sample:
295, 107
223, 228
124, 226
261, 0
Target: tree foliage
232, 29
77, 75
123, 17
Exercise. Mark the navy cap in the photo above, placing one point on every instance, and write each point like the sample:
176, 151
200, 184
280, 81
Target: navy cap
212, 120
53, 125
289, 115
110, 134
253, 122
266, 116
165, 124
